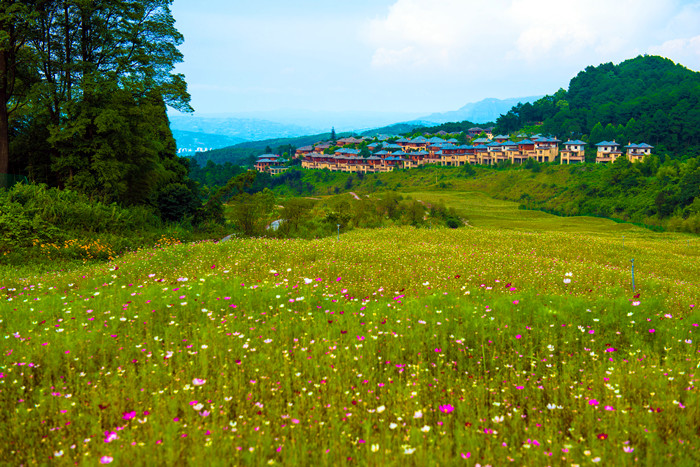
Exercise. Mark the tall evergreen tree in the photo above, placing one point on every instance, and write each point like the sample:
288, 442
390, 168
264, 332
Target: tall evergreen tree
103, 72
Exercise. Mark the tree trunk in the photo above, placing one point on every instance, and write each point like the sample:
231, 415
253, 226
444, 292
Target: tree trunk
4, 136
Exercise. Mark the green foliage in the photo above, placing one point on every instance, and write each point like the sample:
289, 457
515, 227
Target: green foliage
645, 99
32, 217
251, 213
99, 76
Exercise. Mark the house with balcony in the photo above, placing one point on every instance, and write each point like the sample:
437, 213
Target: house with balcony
266, 161
637, 152
574, 151
608, 151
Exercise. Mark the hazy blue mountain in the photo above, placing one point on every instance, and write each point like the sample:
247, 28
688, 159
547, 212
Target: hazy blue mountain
190, 142
245, 129
486, 110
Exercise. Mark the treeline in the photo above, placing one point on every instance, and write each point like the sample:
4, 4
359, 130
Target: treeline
662, 195
83, 94
646, 99
260, 214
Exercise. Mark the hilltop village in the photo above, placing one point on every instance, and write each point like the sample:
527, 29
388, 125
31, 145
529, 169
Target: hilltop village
386, 153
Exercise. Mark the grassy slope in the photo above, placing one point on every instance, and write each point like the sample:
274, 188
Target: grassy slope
562, 189
390, 346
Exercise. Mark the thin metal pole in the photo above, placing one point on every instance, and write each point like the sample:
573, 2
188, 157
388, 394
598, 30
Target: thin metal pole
632, 261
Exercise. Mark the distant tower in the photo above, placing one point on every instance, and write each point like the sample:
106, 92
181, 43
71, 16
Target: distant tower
333, 137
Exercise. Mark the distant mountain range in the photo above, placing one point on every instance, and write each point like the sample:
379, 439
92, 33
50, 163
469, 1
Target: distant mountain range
194, 133
486, 110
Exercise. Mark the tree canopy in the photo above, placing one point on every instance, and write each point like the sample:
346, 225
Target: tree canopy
646, 99
95, 78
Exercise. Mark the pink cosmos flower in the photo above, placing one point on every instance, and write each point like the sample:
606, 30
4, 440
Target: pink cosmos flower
198, 381
106, 460
447, 408
593, 402
129, 415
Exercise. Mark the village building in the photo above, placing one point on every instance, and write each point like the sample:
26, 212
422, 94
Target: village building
573, 151
304, 150
348, 141
637, 152
608, 151
266, 161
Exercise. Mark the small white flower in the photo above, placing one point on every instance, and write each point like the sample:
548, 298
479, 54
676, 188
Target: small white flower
418, 414
381, 409
392, 426
375, 447
425, 429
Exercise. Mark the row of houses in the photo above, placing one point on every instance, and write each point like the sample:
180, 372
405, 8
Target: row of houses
408, 154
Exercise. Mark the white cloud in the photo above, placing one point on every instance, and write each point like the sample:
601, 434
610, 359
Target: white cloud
454, 35
685, 51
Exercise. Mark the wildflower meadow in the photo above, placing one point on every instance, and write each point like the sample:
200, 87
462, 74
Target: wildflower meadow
380, 347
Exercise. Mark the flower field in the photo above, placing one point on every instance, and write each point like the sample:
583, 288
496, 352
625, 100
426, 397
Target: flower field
424, 347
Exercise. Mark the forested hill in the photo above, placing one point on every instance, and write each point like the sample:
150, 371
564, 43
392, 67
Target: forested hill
645, 99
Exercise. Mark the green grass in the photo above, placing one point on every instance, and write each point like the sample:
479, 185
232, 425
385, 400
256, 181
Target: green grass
491, 345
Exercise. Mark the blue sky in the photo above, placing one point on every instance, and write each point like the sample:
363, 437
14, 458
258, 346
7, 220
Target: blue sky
414, 56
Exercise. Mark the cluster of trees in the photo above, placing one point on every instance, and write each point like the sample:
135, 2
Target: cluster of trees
307, 218
650, 192
647, 98
83, 92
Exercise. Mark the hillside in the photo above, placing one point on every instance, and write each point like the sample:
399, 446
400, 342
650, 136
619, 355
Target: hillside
241, 153
646, 99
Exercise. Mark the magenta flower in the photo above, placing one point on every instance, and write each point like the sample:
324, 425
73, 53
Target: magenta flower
652, 331
593, 402
447, 408
106, 460
198, 381
129, 415
110, 436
